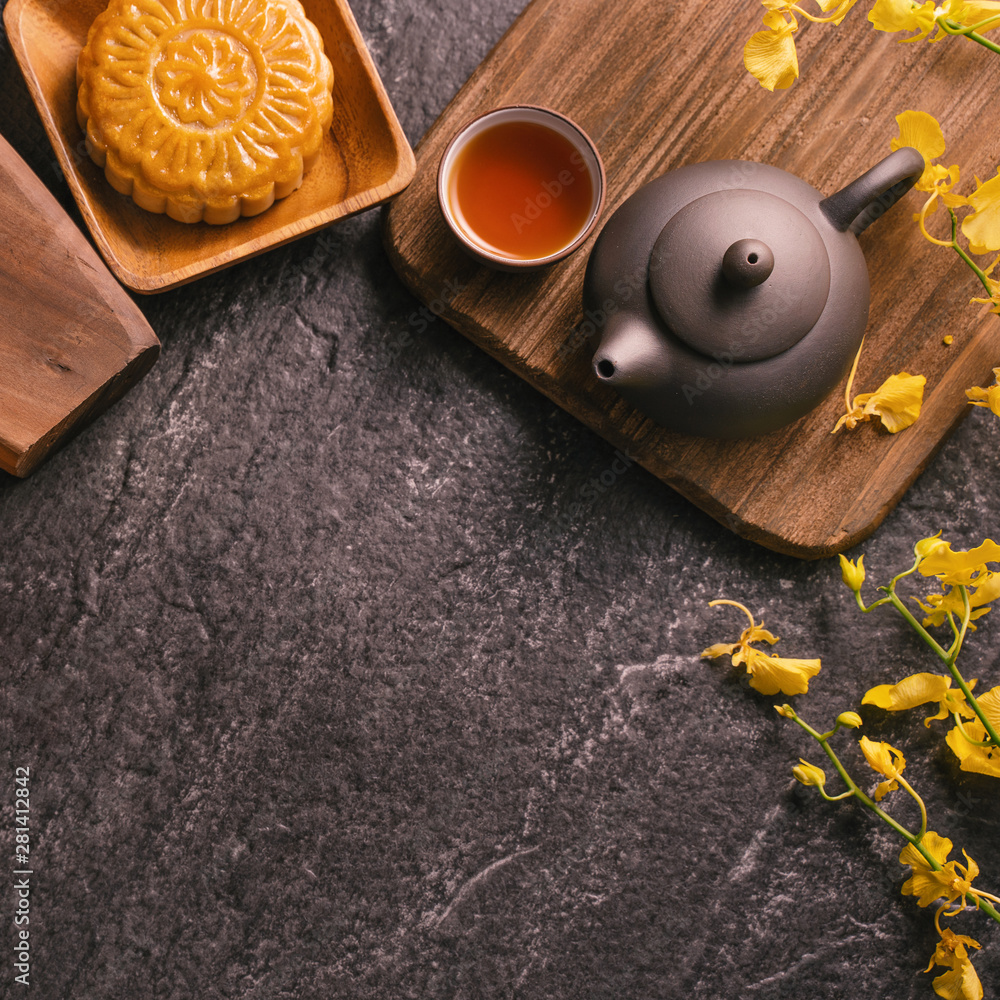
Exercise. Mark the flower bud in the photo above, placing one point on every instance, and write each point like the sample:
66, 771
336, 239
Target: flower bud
786, 710
850, 719
809, 774
853, 575
926, 546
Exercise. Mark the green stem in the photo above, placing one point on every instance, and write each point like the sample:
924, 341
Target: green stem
979, 272
949, 656
834, 798
935, 646
855, 791
920, 803
861, 797
985, 907
954, 28
968, 738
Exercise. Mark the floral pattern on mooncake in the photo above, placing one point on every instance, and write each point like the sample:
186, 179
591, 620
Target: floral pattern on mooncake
204, 109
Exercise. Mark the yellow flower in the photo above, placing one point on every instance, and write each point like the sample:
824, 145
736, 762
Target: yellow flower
809, 774
886, 760
902, 15
958, 567
982, 228
770, 55
955, 569
989, 397
769, 674
978, 760
939, 606
961, 981
972, 13
852, 574
919, 689
921, 131
896, 402
953, 881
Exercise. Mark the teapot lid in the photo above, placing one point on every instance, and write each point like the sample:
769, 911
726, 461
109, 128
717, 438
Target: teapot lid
740, 274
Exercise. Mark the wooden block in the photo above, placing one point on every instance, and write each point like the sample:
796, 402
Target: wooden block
661, 84
71, 340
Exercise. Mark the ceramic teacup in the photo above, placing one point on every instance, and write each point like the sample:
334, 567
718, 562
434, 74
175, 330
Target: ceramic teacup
521, 187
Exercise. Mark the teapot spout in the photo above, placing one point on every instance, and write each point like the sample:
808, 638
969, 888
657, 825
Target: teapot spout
630, 355
863, 201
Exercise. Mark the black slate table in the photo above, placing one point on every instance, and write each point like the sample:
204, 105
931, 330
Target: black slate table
346, 665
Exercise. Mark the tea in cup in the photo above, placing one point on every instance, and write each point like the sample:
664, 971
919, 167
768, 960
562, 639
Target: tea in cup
521, 187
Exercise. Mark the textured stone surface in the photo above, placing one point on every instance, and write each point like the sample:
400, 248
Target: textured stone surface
325, 693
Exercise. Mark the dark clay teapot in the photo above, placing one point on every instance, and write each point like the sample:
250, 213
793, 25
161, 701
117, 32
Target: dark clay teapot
733, 296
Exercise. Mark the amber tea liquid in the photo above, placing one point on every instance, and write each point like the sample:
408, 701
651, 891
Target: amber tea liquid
521, 190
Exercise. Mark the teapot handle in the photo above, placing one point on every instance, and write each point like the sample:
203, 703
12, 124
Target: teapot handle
859, 204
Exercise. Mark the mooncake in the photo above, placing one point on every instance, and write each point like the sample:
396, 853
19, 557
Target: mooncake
204, 109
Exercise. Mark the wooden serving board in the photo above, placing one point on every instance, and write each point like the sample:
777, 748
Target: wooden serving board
71, 340
659, 84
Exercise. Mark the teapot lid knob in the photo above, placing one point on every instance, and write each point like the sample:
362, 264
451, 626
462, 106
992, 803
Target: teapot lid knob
747, 263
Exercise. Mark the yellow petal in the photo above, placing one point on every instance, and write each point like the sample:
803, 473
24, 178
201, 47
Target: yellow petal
959, 983
921, 131
937, 847
971, 12
840, 9
759, 634
720, 649
882, 757
774, 674
988, 397
982, 228
901, 15
770, 55
959, 567
917, 689
975, 760
978, 760
990, 704
896, 401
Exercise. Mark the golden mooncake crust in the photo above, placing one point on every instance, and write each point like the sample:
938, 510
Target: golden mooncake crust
204, 109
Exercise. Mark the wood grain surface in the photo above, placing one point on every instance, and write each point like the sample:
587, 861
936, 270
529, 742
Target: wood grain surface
661, 84
364, 159
71, 340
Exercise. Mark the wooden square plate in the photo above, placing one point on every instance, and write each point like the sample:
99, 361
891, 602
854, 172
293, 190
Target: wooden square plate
365, 158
